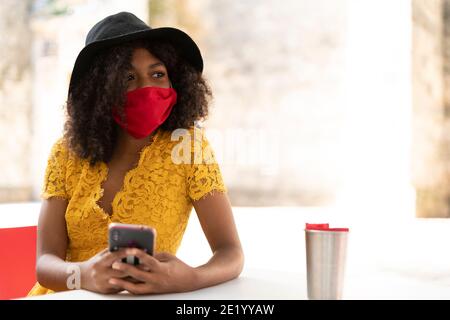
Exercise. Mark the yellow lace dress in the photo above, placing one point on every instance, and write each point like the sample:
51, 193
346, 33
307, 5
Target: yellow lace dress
158, 192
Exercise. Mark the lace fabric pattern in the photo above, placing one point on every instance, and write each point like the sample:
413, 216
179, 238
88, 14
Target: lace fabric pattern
158, 192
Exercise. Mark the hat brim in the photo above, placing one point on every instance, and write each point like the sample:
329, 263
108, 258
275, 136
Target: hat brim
183, 44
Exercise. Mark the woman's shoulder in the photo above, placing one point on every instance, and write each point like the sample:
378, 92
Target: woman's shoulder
61, 151
59, 148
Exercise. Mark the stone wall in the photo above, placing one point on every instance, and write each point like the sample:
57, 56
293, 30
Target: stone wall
446, 114
430, 82
15, 100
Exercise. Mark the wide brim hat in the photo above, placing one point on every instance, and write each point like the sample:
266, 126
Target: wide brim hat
125, 26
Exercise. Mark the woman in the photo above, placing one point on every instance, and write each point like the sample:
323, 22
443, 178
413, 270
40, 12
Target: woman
131, 89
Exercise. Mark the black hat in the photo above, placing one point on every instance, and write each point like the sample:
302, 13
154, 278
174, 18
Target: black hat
125, 26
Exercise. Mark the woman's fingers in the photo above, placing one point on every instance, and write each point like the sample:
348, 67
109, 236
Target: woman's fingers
143, 267
145, 259
132, 271
115, 273
110, 257
135, 288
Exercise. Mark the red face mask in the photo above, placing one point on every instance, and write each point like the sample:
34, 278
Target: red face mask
146, 109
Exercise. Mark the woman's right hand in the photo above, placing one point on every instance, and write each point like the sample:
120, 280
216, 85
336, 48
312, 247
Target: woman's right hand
96, 272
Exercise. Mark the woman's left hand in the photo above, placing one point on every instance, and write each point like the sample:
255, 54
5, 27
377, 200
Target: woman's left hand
162, 273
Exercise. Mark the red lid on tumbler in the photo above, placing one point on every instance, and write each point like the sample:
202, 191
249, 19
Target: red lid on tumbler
324, 227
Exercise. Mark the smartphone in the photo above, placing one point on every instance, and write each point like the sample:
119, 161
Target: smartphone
131, 236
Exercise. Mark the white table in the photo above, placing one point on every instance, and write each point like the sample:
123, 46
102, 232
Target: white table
276, 285
254, 284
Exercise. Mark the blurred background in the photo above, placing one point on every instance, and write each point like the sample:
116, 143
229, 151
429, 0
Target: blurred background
316, 103
336, 109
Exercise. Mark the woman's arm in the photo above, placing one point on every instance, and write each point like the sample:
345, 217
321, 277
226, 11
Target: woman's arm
51, 268
53, 272
216, 218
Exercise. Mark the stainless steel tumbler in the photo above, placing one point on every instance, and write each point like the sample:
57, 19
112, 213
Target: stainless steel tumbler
326, 253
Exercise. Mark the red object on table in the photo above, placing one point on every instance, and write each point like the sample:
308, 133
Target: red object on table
324, 227
17, 261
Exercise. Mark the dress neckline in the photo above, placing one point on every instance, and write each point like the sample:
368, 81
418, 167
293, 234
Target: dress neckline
126, 178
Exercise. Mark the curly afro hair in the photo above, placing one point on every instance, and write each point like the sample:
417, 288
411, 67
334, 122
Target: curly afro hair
90, 129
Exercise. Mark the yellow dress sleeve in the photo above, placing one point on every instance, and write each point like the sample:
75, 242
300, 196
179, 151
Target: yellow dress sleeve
55, 174
203, 173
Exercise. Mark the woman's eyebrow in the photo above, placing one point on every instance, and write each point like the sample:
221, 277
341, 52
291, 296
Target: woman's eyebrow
151, 66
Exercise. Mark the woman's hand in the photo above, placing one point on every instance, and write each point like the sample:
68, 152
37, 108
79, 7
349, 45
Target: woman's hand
96, 272
162, 273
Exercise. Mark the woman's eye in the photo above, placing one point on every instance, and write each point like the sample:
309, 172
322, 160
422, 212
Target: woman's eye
158, 75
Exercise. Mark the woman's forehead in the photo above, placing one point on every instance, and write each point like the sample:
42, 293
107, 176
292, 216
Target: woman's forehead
142, 57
